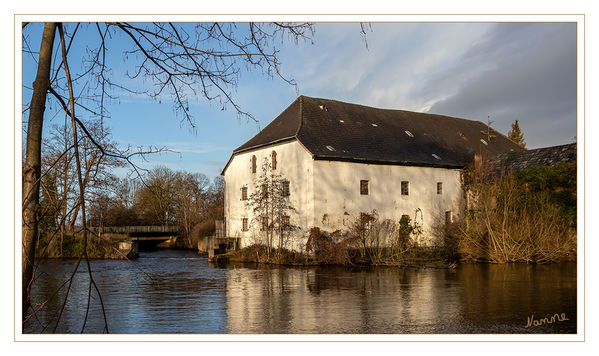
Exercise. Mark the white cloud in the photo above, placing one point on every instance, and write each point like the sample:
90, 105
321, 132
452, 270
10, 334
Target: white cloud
524, 71
390, 73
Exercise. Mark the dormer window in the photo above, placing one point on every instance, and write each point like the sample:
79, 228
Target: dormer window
253, 160
273, 159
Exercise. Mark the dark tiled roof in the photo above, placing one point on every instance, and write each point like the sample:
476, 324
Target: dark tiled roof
506, 163
284, 127
334, 130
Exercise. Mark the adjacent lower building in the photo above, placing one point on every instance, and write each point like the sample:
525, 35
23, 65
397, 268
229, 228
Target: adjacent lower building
335, 160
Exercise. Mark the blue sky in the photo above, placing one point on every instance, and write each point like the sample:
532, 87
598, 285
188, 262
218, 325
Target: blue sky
524, 71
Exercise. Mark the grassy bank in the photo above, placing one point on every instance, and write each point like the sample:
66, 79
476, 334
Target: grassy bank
424, 257
71, 246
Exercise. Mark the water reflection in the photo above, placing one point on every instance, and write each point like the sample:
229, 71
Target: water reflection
469, 299
182, 293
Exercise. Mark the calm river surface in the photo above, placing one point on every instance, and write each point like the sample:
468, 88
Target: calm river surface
186, 294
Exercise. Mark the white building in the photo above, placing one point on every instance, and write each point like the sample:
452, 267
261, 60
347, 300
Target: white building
342, 159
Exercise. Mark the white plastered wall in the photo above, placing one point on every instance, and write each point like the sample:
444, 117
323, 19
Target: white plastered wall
326, 194
295, 164
338, 202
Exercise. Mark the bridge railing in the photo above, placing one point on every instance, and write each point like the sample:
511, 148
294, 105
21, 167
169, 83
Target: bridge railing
129, 229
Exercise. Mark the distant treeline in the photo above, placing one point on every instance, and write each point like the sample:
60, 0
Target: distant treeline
190, 201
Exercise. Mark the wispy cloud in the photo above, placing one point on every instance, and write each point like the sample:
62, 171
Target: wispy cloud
196, 147
390, 73
524, 71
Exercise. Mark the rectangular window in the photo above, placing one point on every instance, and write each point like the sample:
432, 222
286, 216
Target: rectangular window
264, 226
273, 156
264, 191
439, 188
448, 218
253, 161
285, 188
363, 187
244, 193
244, 224
286, 223
405, 188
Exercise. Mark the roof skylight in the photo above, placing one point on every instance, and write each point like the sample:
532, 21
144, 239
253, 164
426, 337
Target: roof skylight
484, 142
330, 148
409, 133
437, 157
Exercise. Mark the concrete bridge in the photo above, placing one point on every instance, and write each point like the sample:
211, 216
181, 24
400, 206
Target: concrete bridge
146, 237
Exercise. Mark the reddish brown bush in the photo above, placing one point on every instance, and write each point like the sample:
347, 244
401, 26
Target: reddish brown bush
330, 248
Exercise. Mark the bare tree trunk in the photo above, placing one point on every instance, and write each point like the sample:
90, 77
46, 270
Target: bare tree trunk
33, 161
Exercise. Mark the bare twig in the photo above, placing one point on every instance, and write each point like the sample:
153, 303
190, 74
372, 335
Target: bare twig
81, 186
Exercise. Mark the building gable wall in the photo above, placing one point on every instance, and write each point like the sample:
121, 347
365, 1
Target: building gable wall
294, 163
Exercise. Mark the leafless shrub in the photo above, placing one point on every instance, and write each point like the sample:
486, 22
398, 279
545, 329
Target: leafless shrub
330, 248
506, 223
367, 240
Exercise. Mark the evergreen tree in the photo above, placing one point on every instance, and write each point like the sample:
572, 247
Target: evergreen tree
516, 135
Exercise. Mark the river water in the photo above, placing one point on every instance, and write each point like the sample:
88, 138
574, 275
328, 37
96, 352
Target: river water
181, 292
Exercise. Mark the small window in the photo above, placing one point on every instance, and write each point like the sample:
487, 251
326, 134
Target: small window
244, 224
286, 222
286, 188
264, 225
448, 218
253, 164
273, 158
363, 187
439, 188
244, 193
405, 188
264, 191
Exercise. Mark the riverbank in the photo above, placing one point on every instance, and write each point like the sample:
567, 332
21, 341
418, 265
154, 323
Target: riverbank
57, 246
414, 257
417, 257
